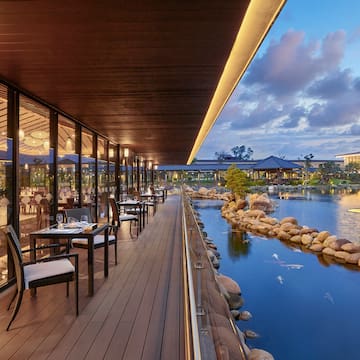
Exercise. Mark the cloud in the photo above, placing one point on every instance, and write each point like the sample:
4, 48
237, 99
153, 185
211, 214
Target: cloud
290, 65
342, 111
333, 85
295, 99
355, 130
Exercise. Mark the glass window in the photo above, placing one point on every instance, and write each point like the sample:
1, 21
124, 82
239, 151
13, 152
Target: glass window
68, 164
35, 162
103, 190
5, 179
88, 171
112, 169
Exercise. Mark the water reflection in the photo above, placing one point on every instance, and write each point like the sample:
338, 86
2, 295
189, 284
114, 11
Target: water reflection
238, 244
307, 294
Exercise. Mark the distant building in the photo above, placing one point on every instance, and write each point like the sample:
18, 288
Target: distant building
272, 170
350, 158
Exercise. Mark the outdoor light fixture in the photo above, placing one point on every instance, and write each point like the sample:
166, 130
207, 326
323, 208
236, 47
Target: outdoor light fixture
111, 153
126, 152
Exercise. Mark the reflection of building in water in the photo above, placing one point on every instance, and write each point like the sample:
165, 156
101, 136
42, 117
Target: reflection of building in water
348, 222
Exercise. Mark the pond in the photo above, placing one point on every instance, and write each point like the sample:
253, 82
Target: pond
303, 307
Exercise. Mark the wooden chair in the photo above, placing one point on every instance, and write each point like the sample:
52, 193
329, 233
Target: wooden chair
99, 240
47, 271
118, 218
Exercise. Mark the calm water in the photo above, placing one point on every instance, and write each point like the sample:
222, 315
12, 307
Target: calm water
304, 312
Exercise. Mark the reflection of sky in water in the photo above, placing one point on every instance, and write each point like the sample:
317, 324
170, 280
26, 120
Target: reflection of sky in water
303, 306
325, 212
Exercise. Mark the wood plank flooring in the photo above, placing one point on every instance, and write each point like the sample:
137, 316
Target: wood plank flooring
137, 313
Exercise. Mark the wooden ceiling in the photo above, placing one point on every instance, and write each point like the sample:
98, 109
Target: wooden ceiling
141, 73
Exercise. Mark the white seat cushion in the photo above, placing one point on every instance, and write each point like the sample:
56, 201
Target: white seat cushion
127, 217
46, 269
98, 239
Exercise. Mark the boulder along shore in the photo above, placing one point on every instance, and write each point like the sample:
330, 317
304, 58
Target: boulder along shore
227, 291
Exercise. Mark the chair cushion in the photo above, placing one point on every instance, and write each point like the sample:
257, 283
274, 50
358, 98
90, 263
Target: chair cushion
98, 239
127, 217
46, 269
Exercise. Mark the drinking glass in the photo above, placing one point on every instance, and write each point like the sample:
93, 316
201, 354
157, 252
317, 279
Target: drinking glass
59, 219
84, 219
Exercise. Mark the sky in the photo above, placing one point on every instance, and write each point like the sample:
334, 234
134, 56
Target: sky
301, 93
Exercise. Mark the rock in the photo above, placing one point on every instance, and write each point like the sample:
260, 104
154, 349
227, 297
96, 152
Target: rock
329, 240
307, 230
316, 247
322, 236
241, 204
269, 220
215, 262
212, 246
235, 301
306, 239
229, 284
337, 244
289, 219
296, 239
258, 354
294, 231
210, 254
255, 214
287, 226
342, 255
328, 251
251, 334
282, 235
245, 315
236, 314
353, 258
261, 202
351, 247
203, 191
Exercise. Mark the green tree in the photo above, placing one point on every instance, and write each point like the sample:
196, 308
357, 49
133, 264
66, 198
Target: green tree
237, 181
242, 153
328, 170
222, 155
237, 153
352, 167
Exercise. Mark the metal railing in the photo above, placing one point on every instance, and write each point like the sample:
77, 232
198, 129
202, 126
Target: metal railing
204, 341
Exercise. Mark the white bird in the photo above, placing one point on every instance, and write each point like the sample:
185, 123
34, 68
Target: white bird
275, 256
280, 279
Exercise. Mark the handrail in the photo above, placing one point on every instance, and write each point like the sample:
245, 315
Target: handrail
190, 287
194, 305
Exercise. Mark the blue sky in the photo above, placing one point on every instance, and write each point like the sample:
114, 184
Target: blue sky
301, 93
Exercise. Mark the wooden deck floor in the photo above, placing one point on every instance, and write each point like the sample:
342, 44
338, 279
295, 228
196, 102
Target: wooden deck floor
137, 313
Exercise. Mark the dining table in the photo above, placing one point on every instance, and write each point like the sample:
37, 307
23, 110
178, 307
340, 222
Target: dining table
136, 206
84, 231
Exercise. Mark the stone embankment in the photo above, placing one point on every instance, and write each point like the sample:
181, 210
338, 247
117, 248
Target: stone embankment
288, 230
204, 193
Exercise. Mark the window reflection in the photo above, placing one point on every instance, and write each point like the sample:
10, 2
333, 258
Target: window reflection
35, 168
5, 168
103, 191
68, 165
88, 171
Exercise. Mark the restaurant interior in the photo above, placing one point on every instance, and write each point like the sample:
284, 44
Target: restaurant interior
50, 162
